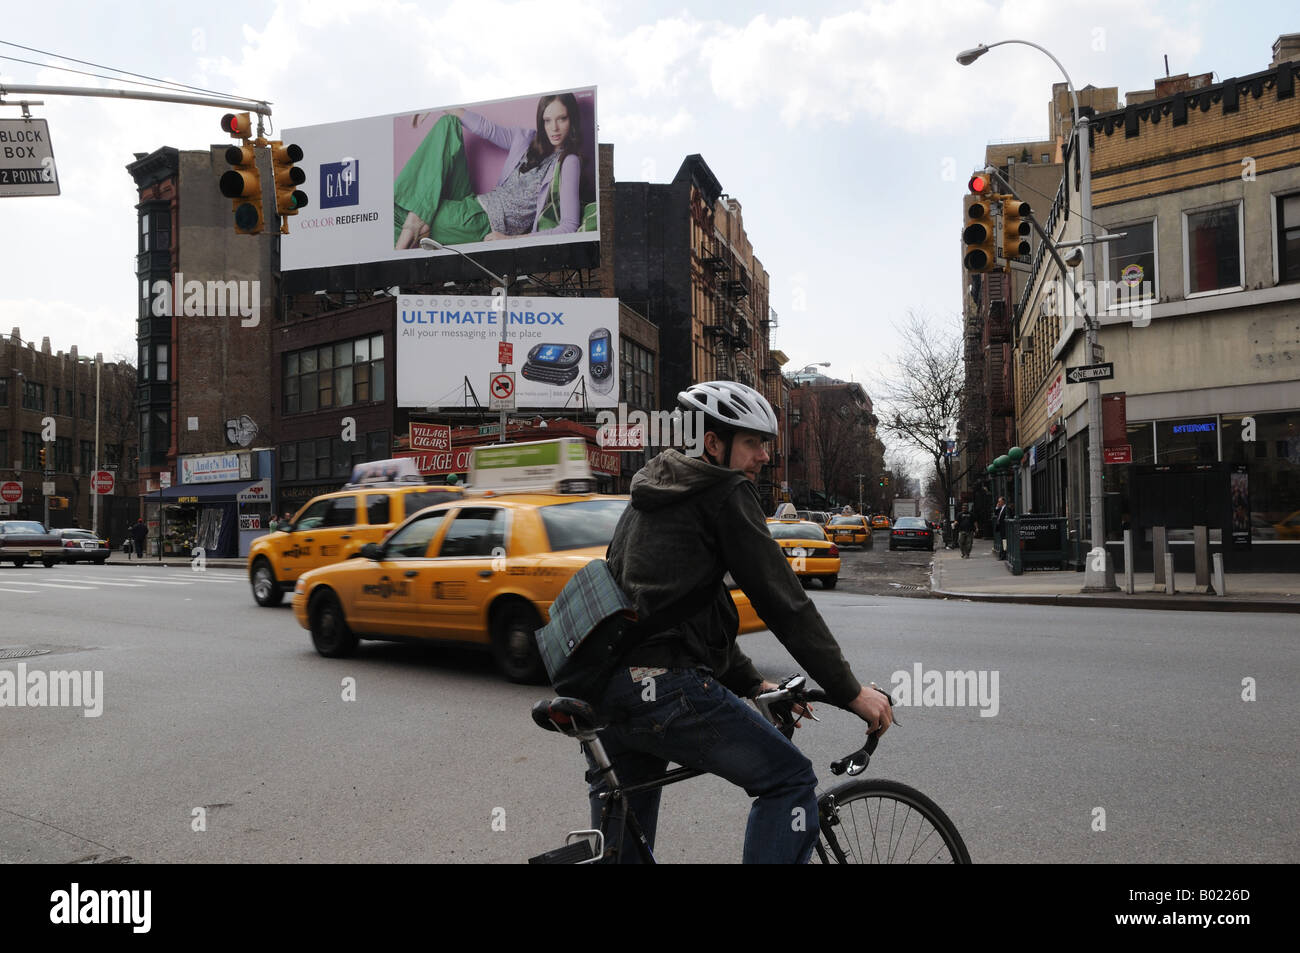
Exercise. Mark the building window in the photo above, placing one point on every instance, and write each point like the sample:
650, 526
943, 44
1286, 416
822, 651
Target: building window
31, 451
1132, 270
87, 457
160, 364
4, 448
334, 375
71, 407
1212, 247
33, 395
84, 412
54, 395
63, 454
636, 365
4, 394
1288, 237
1046, 158
1187, 440
288, 461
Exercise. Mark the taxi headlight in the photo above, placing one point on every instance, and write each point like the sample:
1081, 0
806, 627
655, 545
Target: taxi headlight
299, 587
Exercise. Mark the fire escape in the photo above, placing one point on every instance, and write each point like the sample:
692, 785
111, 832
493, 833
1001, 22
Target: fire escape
731, 329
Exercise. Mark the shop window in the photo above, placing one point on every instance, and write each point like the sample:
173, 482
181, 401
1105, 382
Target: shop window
1273, 468
1187, 440
1288, 237
1212, 249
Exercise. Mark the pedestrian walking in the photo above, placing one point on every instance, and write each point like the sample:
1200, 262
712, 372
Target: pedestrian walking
965, 531
999, 527
139, 533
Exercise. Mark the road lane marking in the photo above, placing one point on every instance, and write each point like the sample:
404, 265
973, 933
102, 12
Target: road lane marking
104, 582
28, 591
55, 585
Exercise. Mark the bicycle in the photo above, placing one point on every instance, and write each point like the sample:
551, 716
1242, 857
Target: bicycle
902, 824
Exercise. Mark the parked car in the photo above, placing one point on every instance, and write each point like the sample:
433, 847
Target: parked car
81, 545
27, 540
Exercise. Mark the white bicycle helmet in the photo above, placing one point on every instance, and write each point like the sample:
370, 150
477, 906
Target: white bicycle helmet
733, 405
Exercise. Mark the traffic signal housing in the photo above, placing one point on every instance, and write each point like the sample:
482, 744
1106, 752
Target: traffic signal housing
1015, 230
979, 244
242, 184
41, 457
239, 125
288, 198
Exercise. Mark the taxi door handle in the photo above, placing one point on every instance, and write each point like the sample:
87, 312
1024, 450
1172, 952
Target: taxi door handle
485, 573
307, 539
346, 536
412, 573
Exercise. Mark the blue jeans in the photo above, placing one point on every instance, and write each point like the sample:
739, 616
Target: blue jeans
696, 722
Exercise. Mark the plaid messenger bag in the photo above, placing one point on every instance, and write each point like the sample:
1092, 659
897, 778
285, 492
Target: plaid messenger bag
590, 620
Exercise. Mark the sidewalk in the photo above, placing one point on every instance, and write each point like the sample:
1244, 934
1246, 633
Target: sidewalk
983, 578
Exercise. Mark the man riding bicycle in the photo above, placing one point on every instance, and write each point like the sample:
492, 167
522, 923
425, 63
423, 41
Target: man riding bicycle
676, 695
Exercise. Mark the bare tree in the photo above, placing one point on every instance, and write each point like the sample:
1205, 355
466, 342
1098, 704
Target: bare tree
840, 429
924, 397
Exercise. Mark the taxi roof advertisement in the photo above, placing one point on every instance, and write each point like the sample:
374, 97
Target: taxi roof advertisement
485, 176
565, 350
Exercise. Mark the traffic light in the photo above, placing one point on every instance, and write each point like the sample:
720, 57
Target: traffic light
41, 457
288, 199
1015, 230
58, 502
977, 235
243, 186
239, 125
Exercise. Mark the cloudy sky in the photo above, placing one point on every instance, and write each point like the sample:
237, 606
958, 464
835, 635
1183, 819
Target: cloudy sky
845, 129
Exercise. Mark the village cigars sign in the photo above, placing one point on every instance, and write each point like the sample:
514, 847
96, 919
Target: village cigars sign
440, 463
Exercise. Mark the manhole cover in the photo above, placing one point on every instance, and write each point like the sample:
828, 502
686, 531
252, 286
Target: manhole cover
903, 585
21, 653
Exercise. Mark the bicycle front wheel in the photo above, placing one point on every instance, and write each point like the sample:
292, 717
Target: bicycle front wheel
874, 821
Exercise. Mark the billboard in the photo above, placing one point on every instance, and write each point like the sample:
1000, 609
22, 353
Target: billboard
485, 176
566, 350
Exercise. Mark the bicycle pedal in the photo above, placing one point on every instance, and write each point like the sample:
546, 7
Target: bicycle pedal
576, 853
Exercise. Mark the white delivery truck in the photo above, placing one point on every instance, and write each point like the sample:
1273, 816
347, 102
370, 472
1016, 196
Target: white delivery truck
906, 506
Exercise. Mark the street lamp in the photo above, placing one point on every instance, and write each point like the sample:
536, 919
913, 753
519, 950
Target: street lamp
94, 494
1096, 578
429, 244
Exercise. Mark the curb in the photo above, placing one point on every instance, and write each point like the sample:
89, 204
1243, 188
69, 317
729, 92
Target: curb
1187, 602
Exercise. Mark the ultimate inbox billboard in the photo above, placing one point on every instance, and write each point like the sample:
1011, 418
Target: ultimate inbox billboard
566, 350
482, 177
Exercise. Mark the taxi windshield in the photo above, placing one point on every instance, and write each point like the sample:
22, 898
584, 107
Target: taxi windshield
582, 523
796, 531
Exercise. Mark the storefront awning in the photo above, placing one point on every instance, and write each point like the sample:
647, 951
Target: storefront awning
211, 492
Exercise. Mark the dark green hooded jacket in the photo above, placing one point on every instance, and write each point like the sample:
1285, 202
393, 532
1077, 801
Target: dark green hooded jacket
689, 523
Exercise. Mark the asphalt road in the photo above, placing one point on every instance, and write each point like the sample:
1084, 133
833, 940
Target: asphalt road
1131, 721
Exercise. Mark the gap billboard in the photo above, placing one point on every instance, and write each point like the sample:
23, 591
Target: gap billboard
565, 350
486, 176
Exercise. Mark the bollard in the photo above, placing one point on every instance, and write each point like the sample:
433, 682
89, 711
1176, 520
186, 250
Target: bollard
1128, 562
1159, 547
1219, 582
1201, 553
1169, 574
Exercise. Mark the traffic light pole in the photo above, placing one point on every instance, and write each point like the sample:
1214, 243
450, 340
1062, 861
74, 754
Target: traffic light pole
259, 106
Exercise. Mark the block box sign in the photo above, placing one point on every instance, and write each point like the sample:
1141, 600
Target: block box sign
445, 340
387, 181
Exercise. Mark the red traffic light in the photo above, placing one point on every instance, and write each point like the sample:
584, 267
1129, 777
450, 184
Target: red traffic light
239, 125
979, 184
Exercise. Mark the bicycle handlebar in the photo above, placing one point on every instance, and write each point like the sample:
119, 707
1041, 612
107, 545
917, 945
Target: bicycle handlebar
777, 706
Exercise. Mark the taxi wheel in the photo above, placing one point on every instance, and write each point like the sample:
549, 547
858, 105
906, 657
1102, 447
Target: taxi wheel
329, 630
513, 644
828, 582
265, 590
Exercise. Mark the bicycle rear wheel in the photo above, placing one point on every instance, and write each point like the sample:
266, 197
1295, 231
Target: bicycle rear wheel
874, 821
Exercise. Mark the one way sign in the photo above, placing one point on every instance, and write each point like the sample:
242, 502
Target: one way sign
1091, 372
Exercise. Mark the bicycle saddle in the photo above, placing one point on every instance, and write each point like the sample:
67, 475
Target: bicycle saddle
566, 715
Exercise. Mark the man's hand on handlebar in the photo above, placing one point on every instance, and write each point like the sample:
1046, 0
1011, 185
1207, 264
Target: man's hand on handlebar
800, 710
873, 706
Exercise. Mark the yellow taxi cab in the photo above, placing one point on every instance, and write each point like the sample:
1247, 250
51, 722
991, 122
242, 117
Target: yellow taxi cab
811, 554
880, 521
334, 526
849, 531
483, 569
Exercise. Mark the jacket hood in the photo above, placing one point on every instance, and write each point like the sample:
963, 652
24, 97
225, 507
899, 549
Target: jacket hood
672, 477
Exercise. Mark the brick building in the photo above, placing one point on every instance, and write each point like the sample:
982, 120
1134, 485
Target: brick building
206, 310
44, 392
